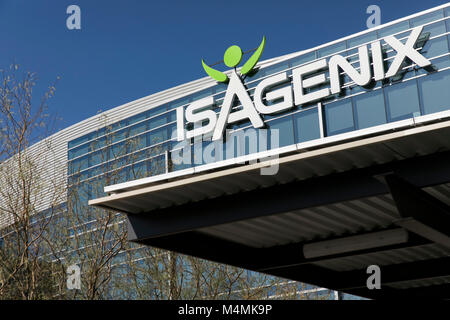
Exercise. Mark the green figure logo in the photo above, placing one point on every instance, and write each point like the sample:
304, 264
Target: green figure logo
232, 58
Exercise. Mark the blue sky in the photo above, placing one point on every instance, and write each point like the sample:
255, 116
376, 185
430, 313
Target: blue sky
126, 50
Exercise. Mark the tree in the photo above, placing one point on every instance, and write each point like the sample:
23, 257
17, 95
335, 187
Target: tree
24, 224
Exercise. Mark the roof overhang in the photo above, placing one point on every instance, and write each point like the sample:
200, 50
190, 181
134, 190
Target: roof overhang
386, 191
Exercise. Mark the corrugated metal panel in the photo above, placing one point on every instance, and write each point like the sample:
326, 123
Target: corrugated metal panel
310, 224
441, 192
420, 283
394, 256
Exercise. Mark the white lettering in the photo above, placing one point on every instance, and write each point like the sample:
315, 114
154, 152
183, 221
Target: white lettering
300, 84
361, 78
248, 111
285, 93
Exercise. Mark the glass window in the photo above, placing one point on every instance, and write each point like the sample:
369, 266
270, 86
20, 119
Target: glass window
137, 118
307, 125
118, 150
156, 166
434, 92
435, 47
396, 28
331, 49
240, 143
79, 151
78, 141
157, 122
119, 135
203, 152
172, 131
98, 143
179, 159
96, 171
78, 164
432, 16
361, 39
121, 175
202, 94
96, 158
256, 73
157, 110
178, 103
138, 128
402, 100
285, 129
304, 58
436, 64
138, 170
118, 125
172, 116
352, 55
339, 117
435, 29
138, 156
137, 143
276, 68
156, 150
369, 109
157, 136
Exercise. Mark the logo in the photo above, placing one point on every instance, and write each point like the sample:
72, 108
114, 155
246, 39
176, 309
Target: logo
232, 58
298, 90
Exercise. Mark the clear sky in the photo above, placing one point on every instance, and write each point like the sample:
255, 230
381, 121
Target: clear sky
128, 49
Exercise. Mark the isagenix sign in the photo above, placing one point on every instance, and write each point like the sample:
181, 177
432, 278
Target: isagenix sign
303, 77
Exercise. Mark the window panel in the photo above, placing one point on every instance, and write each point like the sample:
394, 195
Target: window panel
138, 170
78, 164
98, 143
96, 158
370, 109
285, 129
138, 128
331, 49
432, 16
276, 68
156, 166
307, 125
119, 135
437, 64
79, 151
155, 111
437, 46
402, 100
434, 92
78, 141
157, 136
304, 58
398, 27
157, 122
137, 118
202, 94
339, 117
361, 39
178, 103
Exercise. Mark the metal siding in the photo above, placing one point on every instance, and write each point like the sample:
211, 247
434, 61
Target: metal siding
310, 224
394, 256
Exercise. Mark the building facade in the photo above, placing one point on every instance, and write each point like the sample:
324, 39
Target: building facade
382, 80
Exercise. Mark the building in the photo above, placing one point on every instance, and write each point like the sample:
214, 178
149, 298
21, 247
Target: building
334, 159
